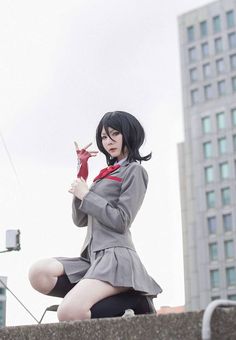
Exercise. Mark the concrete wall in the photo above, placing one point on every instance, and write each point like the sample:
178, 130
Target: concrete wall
184, 326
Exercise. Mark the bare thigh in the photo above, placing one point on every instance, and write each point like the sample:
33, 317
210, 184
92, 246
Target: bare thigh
84, 295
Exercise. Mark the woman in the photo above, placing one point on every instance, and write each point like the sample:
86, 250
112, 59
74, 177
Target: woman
109, 264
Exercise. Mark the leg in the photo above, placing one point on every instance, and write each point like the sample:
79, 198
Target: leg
77, 303
44, 273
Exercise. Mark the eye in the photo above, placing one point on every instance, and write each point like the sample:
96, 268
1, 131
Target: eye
115, 133
103, 137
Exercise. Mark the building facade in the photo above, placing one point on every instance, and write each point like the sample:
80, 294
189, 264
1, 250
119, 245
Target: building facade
207, 157
2, 301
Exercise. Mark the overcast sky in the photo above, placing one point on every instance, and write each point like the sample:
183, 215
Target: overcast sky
63, 64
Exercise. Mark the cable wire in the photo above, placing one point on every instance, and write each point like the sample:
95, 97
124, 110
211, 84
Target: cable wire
19, 301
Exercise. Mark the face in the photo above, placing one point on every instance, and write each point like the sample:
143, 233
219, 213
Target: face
113, 146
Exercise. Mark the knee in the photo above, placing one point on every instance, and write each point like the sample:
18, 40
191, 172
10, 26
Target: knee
72, 313
39, 275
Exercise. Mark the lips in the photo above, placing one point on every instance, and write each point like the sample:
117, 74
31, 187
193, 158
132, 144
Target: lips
112, 150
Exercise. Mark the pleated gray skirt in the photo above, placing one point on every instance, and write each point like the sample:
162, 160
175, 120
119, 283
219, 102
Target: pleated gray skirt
119, 266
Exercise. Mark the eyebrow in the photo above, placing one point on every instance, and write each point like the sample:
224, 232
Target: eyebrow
104, 133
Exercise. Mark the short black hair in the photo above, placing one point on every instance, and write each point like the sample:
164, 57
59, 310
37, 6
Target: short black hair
131, 130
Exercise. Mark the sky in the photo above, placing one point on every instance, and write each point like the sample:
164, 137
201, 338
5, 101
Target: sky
63, 64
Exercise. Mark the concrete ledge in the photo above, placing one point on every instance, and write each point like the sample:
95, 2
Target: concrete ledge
184, 326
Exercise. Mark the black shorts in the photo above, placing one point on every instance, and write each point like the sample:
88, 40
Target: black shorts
112, 306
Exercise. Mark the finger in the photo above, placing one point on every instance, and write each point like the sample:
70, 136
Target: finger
86, 147
76, 146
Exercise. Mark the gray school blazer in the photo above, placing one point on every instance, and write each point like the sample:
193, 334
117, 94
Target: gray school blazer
110, 206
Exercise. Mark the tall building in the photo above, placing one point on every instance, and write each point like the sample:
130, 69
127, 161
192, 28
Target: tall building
207, 157
2, 301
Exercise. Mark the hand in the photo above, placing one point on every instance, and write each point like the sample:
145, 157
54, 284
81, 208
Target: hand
83, 154
79, 188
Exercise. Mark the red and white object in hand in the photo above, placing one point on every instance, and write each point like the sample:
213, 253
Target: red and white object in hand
83, 155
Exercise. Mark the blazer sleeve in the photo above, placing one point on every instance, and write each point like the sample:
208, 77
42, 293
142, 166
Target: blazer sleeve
79, 217
118, 216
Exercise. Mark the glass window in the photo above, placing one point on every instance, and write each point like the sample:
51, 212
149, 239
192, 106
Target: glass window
234, 142
211, 224
229, 249
206, 70
194, 97
209, 174
205, 50
193, 74
2, 291
233, 62
208, 94
216, 24
224, 170
215, 278
207, 149
232, 40
222, 145
203, 28
230, 18
218, 45
225, 196
213, 251
233, 84
221, 87
206, 125
233, 116
231, 276
192, 54
220, 66
220, 118
210, 199
190, 33
231, 297
227, 222
215, 297
2, 313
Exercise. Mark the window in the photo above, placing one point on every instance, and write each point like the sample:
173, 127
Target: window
221, 88
193, 74
205, 50
233, 116
215, 278
2, 291
234, 142
194, 97
231, 297
213, 251
2, 313
227, 222
210, 199
206, 125
190, 33
232, 40
192, 54
220, 66
224, 170
208, 92
231, 276
216, 24
203, 29
218, 45
225, 196
222, 145
207, 149
215, 297
220, 118
229, 249
233, 84
211, 224
206, 70
209, 174
233, 62
230, 18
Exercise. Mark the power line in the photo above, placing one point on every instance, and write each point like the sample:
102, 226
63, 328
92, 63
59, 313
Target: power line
9, 157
